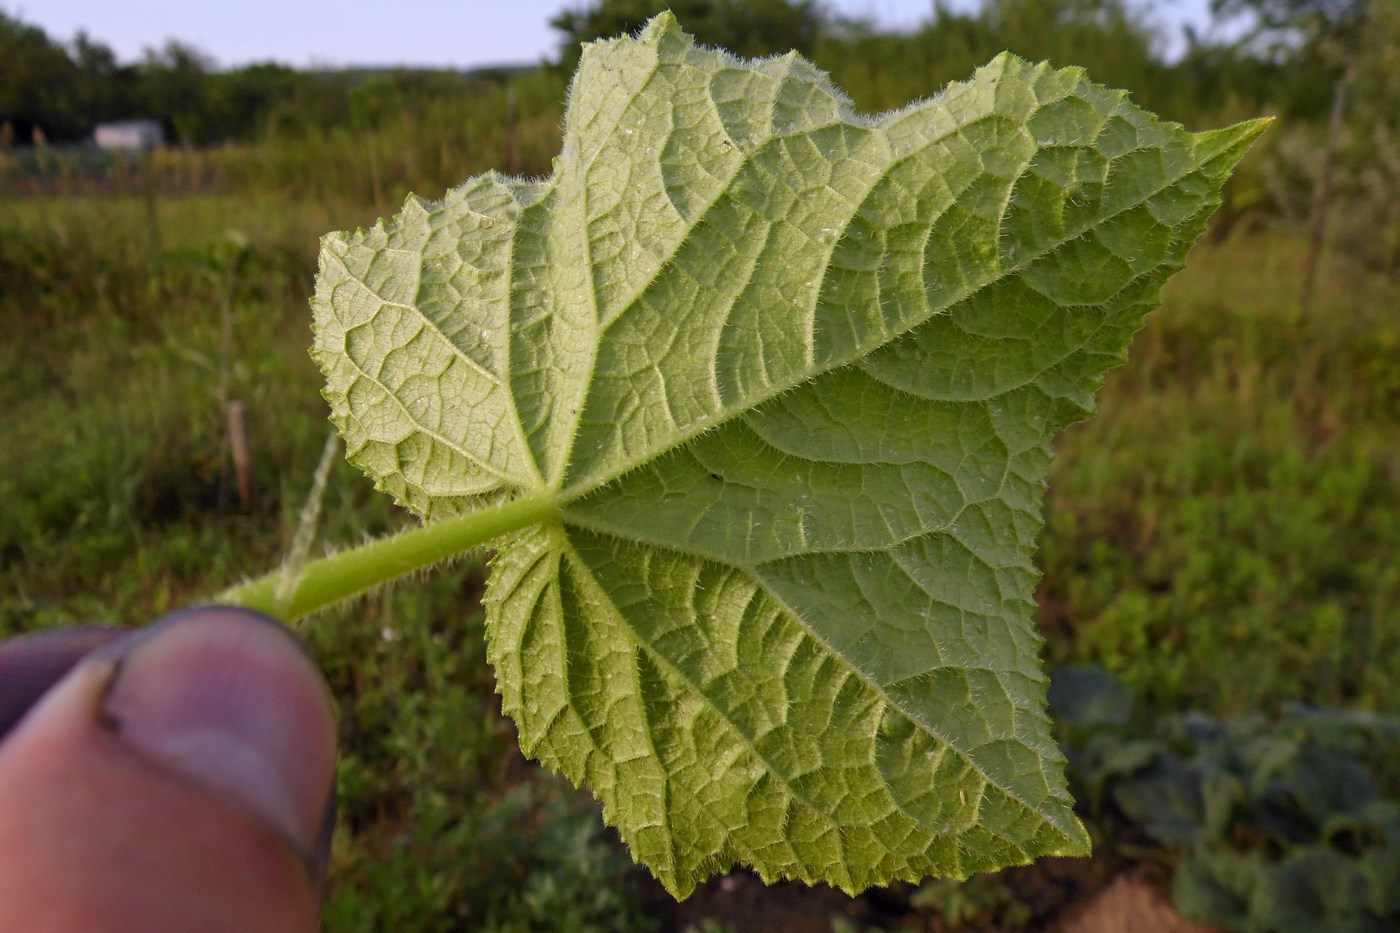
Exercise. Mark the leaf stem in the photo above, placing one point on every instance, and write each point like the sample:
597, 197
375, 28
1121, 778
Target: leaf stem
328, 580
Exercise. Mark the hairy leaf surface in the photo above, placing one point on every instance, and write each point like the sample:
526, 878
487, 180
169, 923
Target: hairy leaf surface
789, 376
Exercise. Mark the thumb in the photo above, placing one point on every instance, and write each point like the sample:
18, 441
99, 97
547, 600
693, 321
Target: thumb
177, 779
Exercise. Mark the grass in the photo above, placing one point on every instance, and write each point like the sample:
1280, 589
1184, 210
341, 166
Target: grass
121, 506
1223, 536
113, 457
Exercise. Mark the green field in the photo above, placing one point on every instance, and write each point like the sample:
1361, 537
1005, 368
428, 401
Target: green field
1223, 537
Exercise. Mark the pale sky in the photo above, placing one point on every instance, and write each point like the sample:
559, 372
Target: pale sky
428, 33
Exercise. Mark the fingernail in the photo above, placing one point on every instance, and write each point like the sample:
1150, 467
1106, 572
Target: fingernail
30, 665
228, 700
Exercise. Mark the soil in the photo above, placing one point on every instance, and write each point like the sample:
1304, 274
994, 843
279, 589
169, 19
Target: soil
1130, 903
1098, 895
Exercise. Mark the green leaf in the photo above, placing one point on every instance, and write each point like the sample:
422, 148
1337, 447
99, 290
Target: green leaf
1087, 697
1220, 886
783, 379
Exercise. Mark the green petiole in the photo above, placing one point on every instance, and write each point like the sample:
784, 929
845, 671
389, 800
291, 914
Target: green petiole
337, 577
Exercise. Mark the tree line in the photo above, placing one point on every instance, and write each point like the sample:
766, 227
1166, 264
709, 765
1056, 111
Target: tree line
1329, 68
63, 89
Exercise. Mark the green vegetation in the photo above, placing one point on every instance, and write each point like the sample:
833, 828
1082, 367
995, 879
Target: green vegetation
1222, 536
801, 544
1282, 825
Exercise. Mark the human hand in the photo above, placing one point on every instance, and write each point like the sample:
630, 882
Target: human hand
175, 778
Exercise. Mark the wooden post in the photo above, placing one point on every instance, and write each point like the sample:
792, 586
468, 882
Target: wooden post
242, 458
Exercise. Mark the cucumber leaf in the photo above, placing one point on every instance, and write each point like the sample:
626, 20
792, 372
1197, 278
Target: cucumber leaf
787, 376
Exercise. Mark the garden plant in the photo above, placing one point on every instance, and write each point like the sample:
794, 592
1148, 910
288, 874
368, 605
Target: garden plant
753, 399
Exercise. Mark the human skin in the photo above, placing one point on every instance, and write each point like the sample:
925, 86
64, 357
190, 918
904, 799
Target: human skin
178, 778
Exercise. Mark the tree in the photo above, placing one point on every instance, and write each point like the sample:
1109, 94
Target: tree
1333, 31
36, 82
238, 102
1305, 18
746, 27
883, 69
174, 83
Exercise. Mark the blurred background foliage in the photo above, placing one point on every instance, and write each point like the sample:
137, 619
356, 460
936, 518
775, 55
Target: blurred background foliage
1221, 541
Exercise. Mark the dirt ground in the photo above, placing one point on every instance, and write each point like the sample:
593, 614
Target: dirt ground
1054, 895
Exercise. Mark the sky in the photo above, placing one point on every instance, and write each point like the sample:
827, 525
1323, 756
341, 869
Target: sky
426, 33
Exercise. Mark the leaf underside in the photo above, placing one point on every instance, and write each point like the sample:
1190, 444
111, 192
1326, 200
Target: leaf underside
790, 375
